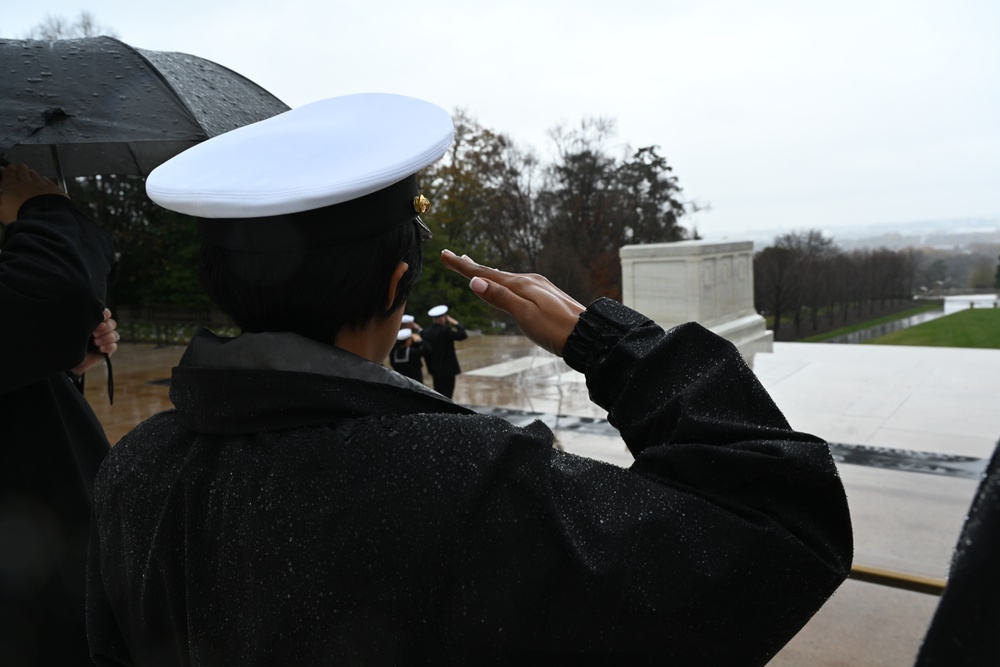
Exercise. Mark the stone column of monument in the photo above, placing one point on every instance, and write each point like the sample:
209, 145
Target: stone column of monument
697, 281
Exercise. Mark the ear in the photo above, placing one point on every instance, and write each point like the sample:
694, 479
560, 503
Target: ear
397, 275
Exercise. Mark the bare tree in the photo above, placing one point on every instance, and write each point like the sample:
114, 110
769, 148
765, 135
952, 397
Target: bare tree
593, 203
810, 249
773, 284
483, 194
57, 27
577, 203
804, 274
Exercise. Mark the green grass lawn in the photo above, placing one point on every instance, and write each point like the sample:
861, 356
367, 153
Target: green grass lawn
871, 323
975, 327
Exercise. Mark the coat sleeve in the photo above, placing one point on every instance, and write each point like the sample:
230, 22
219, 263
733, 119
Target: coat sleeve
963, 631
694, 415
53, 270
725, 536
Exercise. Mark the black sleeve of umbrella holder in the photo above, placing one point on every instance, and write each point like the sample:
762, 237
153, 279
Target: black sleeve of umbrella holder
53, 275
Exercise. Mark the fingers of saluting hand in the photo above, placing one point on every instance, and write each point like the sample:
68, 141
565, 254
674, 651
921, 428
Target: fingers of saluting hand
544, 312
105, 335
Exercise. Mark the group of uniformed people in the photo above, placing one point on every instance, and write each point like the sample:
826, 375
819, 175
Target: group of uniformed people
435, 345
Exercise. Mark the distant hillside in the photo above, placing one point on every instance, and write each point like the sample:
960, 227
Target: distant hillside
953, 235
941, 234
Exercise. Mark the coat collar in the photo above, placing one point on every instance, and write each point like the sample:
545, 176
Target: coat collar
271, 381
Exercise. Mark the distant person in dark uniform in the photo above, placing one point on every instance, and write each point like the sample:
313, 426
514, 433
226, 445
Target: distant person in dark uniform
408, 354
305, 505
54, 264
443, 362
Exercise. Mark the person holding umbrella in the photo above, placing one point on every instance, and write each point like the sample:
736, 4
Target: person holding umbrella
442, 363
53, 266
305, 505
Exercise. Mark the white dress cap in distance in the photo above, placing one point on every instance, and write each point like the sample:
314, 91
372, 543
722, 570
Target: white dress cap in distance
408, 319
437, 311
324, 153
404, 334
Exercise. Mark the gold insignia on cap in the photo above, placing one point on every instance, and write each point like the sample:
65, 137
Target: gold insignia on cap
421, 204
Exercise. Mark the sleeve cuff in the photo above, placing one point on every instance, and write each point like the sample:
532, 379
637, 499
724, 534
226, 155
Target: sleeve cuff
599, 329
48, 200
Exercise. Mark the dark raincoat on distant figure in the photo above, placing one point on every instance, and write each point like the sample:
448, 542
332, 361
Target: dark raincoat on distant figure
442, 362
335, 513
53, 271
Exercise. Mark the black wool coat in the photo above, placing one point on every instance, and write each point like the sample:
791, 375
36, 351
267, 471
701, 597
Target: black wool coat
53, 268
964, 630
303, 506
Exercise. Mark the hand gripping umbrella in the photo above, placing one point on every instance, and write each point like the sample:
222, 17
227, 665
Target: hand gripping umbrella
83, 107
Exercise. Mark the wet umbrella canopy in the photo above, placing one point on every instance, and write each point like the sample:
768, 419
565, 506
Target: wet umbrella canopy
82, 107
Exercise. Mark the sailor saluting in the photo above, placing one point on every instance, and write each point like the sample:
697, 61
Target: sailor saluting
305, 505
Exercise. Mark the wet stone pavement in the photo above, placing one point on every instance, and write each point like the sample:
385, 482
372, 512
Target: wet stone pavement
904, 521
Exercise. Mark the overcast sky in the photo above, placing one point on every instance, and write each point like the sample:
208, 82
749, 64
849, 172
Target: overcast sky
777, 114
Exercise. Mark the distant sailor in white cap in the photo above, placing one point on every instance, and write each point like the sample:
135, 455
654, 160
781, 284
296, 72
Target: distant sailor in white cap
407, 355
305, 505
410, 322
442, 362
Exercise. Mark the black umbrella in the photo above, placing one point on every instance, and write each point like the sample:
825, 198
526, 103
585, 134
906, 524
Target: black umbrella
81, 107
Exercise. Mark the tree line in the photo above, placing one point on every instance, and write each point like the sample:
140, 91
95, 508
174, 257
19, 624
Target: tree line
804, 279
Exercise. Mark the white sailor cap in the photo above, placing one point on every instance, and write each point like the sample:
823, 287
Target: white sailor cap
404, 334
330, 172
408, 319
437, 311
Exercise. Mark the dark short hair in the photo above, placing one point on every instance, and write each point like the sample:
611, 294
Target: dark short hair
314, 292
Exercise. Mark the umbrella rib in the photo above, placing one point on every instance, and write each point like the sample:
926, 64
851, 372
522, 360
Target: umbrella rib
135, 158
166, 83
